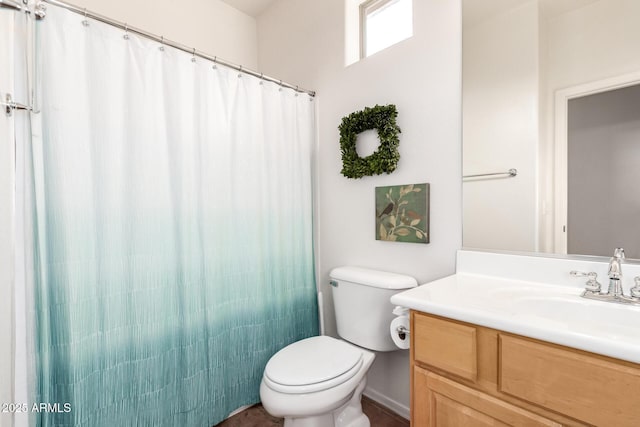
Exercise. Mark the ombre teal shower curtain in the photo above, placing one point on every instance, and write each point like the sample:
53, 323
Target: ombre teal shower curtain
173, 224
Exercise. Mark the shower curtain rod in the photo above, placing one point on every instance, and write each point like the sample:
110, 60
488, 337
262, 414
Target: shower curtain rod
14, 5
166, 42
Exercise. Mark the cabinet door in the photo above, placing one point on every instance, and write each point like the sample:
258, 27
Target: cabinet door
440, 402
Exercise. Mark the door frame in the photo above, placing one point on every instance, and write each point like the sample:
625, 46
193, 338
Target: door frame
561, 142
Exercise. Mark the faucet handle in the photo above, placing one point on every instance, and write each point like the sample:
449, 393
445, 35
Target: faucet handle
592, 284
619, 253
635, 291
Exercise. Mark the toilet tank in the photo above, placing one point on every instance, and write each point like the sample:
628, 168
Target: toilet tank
362, 307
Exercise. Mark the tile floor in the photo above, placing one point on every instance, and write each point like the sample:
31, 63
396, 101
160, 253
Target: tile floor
256, 416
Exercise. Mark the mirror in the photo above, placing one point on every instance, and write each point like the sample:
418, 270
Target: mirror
551, 89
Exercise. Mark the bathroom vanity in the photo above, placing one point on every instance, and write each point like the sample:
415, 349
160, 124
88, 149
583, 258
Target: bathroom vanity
511, 349
465, 374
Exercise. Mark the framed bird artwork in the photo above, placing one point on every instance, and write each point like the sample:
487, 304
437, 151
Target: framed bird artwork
402, 213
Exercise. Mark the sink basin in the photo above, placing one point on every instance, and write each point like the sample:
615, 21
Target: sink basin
551, 313
581, 315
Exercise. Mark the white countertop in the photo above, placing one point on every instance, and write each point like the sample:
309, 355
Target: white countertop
550, 313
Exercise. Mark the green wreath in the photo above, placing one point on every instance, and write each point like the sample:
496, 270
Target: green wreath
385, 158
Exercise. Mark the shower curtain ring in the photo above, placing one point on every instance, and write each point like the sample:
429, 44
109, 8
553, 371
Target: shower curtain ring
261, 79
215, 58
240, 73
296, 90
85, 22
161, 43
193, 55
280, 88
126, 32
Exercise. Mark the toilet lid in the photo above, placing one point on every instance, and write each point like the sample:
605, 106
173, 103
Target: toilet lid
313, 364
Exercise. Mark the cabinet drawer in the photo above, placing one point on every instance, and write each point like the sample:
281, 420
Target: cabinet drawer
588, 388
446, 345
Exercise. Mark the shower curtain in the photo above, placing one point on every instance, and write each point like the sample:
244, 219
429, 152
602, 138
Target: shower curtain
173, 230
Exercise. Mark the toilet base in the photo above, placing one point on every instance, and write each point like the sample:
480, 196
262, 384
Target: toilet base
319, 421
348, 415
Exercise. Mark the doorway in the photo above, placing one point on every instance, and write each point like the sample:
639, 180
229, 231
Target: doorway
596, 156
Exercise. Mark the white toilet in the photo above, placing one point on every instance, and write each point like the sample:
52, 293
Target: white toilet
318, 381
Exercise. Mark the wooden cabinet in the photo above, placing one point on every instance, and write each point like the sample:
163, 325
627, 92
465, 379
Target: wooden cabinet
467, 375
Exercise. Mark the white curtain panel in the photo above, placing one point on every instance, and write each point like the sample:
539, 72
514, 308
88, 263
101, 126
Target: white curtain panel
174, 229
7, 179
16, 38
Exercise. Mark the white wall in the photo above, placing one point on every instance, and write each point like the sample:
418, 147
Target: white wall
6, 221
210, 26
500, 129
303, 41
593, 43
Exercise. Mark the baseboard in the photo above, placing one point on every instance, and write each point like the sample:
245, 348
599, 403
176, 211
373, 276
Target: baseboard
240, 409
389, 403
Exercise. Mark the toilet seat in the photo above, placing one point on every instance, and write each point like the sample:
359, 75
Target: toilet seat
312, 365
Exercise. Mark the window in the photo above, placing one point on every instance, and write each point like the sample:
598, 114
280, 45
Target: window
384, 23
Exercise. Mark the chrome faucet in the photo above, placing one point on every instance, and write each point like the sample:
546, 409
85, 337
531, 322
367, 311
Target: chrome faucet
615, 292
615, 273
